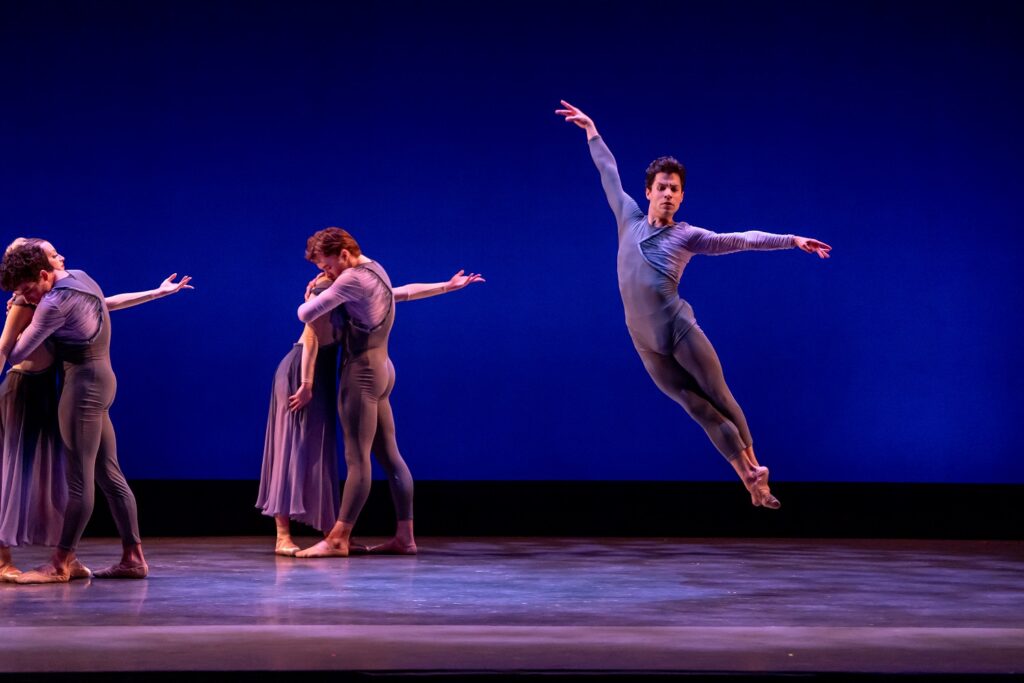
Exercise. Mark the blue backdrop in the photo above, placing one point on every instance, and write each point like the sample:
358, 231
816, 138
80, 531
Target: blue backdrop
213, 138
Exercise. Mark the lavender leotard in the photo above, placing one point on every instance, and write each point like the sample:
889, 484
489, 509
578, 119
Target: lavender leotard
673, 348
362, 304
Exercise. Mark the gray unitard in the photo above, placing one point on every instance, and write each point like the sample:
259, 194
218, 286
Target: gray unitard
364, 307
75, 315
673, 348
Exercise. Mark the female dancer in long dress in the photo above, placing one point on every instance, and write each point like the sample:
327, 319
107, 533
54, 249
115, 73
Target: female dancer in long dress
299, 477
363, 302
72, 310
653, 251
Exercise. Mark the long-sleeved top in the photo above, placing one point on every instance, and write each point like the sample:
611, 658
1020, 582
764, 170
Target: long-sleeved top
366, 296
66, 314
651, 260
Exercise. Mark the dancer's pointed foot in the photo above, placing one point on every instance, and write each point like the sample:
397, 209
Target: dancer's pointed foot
8, 572
760, 493
46, 573
285, 547
77, 570
124, 570
393, 547
325, 548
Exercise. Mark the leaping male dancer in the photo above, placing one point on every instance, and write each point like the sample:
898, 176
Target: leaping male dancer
653, 251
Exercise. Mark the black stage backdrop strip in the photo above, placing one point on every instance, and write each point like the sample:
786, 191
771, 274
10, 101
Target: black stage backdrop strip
608, 508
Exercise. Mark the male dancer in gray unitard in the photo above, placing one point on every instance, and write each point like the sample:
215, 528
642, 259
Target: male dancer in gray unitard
362, 301
653, 251
72, 312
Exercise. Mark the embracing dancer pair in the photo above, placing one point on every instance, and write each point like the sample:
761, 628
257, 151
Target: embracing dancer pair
351, 305
71, 314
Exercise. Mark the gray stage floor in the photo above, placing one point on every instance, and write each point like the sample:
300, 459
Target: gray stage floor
530, 604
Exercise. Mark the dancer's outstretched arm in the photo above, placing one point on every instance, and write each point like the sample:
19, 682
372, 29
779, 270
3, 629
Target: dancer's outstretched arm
417, 290
620, 202
166, 288
701, 241
18, 318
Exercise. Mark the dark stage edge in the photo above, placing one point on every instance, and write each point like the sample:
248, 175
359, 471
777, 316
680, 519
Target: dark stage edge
612, 509
552, 608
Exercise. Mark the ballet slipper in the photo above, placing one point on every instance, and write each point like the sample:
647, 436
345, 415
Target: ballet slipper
46, 573
9, 572
285, 548
323, 549
123, 570
393, 547
77, 570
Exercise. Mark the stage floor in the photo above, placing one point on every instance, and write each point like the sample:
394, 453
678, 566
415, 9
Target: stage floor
533, 604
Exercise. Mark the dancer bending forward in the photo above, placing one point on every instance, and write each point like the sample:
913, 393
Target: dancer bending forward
653, 251
363, 302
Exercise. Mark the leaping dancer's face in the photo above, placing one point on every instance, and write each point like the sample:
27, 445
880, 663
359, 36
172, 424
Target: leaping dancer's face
665, 195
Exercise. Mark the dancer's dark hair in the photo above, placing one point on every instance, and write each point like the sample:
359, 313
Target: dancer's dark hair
666, 165
22, 264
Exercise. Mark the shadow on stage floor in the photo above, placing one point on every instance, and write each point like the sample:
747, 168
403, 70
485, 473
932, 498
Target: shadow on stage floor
570, 608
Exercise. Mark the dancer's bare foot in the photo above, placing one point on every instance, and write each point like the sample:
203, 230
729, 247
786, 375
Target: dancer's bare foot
286, 547
77, 570
393, 547
46, 573
325, 548
760, 494
8, 572
124, 570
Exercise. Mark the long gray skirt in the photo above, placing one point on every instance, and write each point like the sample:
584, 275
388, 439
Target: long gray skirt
33, 490
300, 455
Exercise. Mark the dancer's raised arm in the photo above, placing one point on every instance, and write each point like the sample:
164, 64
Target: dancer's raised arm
414, 291
622, 204
166, 288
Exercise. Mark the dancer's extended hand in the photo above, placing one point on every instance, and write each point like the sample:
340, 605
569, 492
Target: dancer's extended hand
459, 280
300, 398
169, 286
812, 246
574, 115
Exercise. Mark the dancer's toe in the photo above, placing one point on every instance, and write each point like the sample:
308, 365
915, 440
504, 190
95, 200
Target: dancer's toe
286, 548
77, 570
9, 572
393, 547
46, 573
123, 570
324, 549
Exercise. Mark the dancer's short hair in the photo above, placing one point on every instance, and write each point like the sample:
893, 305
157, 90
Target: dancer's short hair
23, 263
666, 165
330, 242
